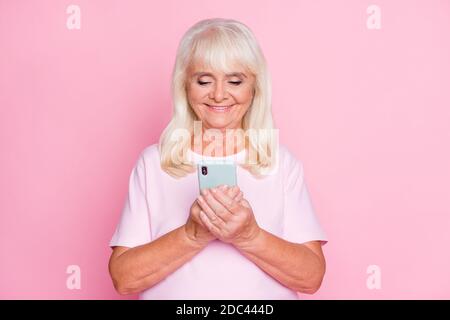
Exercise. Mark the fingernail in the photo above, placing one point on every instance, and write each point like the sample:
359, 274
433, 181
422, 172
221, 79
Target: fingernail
214, 190
223, 187
204, 192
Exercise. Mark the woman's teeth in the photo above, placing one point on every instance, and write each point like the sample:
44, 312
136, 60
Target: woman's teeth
219, 108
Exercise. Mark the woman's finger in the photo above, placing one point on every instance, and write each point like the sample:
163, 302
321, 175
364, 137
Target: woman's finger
239, 197
215, 219
230, 204
230, 191
215, 205
209, 224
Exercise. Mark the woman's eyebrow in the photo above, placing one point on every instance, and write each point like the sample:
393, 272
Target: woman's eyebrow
233, 74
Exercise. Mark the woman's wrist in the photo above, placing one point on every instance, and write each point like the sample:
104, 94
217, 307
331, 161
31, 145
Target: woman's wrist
191, 237
253, 240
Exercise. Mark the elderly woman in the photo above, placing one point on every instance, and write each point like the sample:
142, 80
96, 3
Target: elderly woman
258, 240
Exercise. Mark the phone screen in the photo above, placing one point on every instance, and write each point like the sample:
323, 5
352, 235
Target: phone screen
211, 175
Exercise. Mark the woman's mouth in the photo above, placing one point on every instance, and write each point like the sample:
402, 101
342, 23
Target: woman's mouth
219, 109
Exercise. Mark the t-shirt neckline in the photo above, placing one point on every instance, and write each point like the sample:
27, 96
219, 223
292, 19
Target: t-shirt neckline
196, 157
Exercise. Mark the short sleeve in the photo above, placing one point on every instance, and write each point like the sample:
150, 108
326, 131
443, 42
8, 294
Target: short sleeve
134, 224
300, 221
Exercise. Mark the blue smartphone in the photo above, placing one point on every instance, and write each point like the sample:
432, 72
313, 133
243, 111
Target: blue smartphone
211, 175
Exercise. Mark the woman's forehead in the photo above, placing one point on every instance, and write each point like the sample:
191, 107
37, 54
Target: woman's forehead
233, 69
212, 74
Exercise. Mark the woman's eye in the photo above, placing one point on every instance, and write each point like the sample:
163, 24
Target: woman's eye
236, 83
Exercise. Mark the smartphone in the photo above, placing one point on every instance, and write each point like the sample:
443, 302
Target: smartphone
211, 175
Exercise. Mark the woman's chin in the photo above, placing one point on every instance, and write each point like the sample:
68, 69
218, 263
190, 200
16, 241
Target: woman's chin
217, 123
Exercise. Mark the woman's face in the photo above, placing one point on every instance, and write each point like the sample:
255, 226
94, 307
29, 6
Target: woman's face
219, 100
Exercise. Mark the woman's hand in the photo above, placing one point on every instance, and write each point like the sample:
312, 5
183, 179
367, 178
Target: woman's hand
195, 228
226, 218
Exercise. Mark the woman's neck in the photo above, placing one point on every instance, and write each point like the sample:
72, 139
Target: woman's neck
227, 146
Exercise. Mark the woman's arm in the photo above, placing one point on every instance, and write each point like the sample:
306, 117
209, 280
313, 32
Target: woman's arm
139, 268
136, 269
300, 267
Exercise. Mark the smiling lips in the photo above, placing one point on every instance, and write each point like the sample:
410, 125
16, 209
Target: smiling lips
219, 109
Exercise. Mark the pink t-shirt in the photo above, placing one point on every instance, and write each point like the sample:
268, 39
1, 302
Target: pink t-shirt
158, 203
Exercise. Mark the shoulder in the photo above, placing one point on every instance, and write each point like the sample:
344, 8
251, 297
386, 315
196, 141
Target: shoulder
149, 156
287, 158
291, 166
150, 152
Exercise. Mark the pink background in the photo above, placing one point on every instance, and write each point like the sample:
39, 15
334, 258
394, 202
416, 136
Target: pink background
367, 111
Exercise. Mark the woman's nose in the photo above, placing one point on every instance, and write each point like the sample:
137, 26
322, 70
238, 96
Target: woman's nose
217, 92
